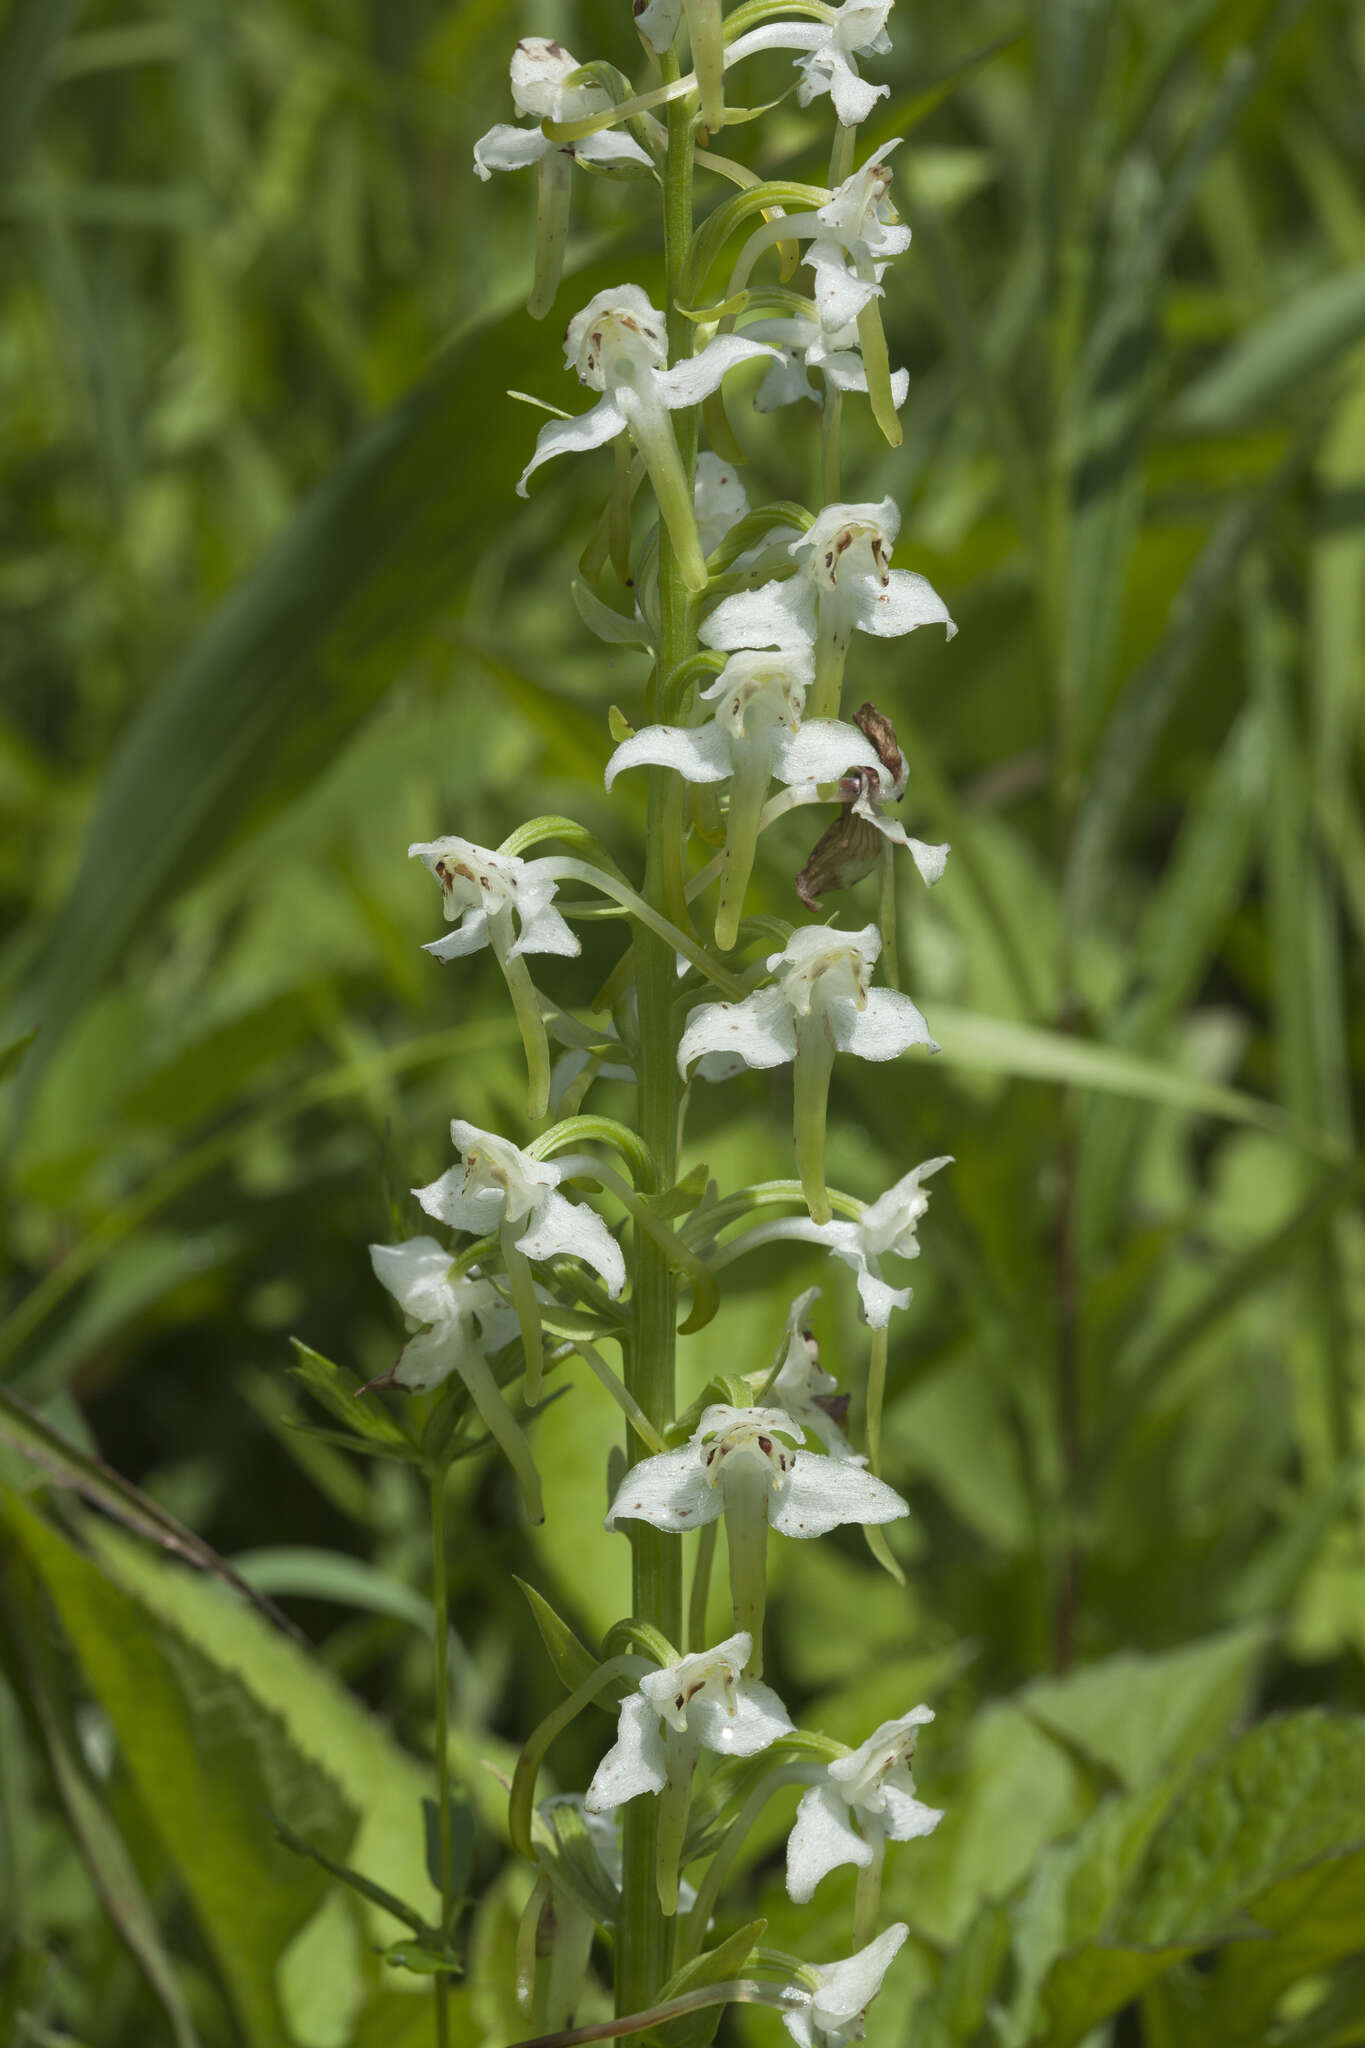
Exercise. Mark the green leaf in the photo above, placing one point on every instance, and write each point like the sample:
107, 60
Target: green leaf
208, 1757
355, 1880
300, 1572
714, 1966
1138, 1716
1314, 326
34, 30
955, 2010
338, 1391
1031, 1053
112, 1870
572, 1659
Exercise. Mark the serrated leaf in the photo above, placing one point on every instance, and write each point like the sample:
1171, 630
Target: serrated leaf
208, 1758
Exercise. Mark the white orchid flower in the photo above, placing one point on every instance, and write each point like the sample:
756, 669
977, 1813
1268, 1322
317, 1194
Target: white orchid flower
498, 900
618, 346
861, 232
701, 1702
541, 69
803, 1389
501, 1190
818, 1003
452, 1317
458, 1323
837, 1995
844, 583
756, 733
804, 345
827, 52
864, 1799
749, 1465
888, 1225
658, 21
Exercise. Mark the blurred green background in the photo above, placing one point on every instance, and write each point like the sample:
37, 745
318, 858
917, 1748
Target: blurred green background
271, 611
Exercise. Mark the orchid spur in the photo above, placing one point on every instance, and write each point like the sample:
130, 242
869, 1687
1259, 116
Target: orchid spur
617, 345
818, 1003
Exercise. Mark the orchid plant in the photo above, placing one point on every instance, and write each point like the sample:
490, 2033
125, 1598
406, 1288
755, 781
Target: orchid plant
587, 1234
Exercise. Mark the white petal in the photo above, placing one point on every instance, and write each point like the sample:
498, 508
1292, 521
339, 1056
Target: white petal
905, 602
559, 1226
429, 1358
445, 1199
878, 1298
671, 1491
610, 147
417, 1275
905, 1817
839, 294
758, 1719
543, 930
785, 384
506, 148
821, 750
819, 1494
799, 2023
776, 615
822, 1839
845, 1989
853, 97
696, 377
571, 437
719, 498
759, 1031
888, 1024
469, 936
658, 22
698, 753
636, 1762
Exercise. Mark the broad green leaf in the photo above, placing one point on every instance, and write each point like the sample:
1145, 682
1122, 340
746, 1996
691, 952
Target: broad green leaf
111, 1868
955, 2012
1139, 1716
208, 1756
1314, 327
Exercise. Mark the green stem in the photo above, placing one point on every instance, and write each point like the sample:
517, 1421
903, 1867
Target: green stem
440, 1600
810, 1089
867, 1902
644, 1934
701, 1587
